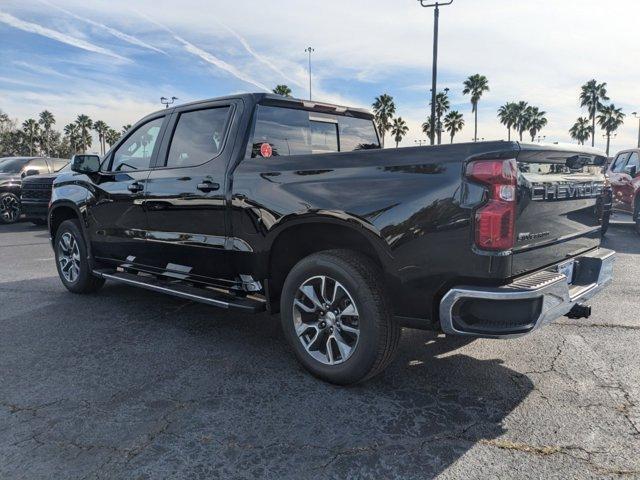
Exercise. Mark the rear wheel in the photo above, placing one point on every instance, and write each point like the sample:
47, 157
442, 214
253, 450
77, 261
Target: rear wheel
10, 209
71, 259
336, 317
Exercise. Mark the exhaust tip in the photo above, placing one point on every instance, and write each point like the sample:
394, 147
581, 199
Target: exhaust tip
578, 311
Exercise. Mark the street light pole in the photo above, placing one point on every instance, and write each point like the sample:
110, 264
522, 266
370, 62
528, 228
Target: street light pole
434, 75
635, 114
309, 50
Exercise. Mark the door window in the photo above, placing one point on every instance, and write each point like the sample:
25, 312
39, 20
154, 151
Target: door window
137, 150
198, 137
634, 161
39, 164
619, 162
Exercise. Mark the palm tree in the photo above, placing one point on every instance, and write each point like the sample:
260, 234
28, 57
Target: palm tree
101, 128
399, 129
71, 130
536, 120
46, 120
522, 113
610, 119
592, 95
508, 116
426, 127
383, 109
126, 128
581, 130
112, 136
84, 124
453, 123
283, 90
442, 107
30, 128
475, 86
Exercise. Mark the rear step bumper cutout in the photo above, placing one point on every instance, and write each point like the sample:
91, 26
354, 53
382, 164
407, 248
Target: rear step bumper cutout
188, 292
527, 303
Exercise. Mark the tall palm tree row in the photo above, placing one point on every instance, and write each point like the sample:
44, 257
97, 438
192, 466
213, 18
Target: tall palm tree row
453, 123
475, 86
610, 119
581, 130
399, 129
383, 109
592, 94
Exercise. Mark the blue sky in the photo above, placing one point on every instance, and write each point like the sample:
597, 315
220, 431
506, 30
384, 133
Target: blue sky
113, 60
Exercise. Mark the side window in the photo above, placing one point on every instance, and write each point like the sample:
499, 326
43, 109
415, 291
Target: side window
324, 136
285, 129
39, 164
619, 162
634, 161
198, 137
136, 152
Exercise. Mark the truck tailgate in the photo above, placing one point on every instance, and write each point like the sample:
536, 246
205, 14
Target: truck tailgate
557, 218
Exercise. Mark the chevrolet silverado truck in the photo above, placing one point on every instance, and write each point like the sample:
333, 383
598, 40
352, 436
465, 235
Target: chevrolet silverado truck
259, 202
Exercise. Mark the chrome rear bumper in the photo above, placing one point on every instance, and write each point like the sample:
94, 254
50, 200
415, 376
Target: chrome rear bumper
541, 297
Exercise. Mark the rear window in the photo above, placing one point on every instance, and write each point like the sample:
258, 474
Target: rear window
300, 132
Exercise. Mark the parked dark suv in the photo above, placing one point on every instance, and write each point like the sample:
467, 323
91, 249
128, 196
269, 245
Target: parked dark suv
36, 193
12, 171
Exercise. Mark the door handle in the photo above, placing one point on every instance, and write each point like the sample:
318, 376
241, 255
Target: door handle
208, 186
135, 187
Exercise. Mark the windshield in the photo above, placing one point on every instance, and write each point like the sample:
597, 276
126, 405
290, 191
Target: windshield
12, 165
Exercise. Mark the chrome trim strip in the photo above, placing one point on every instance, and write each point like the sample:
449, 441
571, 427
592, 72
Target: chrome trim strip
558, 296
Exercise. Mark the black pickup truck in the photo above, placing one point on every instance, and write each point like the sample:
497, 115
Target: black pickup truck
259, 202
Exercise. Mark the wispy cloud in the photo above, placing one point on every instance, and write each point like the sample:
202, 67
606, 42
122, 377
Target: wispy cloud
209, 57
261, 58
116, 33
55, 35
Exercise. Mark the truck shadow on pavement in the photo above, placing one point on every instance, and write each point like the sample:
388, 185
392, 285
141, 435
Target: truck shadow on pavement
128, 383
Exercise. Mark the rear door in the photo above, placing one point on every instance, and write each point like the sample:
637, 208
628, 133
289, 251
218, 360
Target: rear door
627, 180
557, 217
185, 197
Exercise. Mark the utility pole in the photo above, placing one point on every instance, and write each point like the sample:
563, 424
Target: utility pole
309, 50
166, 102
635, 114
434, 77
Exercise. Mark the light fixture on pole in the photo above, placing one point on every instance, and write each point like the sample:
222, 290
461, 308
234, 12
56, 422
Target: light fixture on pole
309, 50
434, 75
166, 101
635, 114
419, 142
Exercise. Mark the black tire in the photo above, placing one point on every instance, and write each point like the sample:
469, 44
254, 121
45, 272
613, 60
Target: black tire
83, 281
605, 225
10, 209
636, 216
379, 333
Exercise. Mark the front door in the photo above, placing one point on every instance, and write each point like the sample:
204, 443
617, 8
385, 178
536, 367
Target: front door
185, 197
117, 220
616, 177
627, 182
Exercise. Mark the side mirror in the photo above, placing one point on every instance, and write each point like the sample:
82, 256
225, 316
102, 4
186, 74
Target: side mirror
31, 172
85, 163
631, 170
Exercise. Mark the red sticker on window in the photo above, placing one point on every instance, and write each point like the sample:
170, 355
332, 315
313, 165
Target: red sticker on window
265, 150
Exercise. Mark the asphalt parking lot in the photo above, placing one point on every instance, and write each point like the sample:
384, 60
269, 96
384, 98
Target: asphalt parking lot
130, 384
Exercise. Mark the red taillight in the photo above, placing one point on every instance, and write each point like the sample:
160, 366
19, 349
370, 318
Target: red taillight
495, 221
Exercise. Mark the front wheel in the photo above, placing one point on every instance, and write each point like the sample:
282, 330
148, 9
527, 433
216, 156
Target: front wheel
10, 209
71, 259
336, 316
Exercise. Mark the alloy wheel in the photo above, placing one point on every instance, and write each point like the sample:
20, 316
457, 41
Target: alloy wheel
9, 208
326, 320
69, 257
